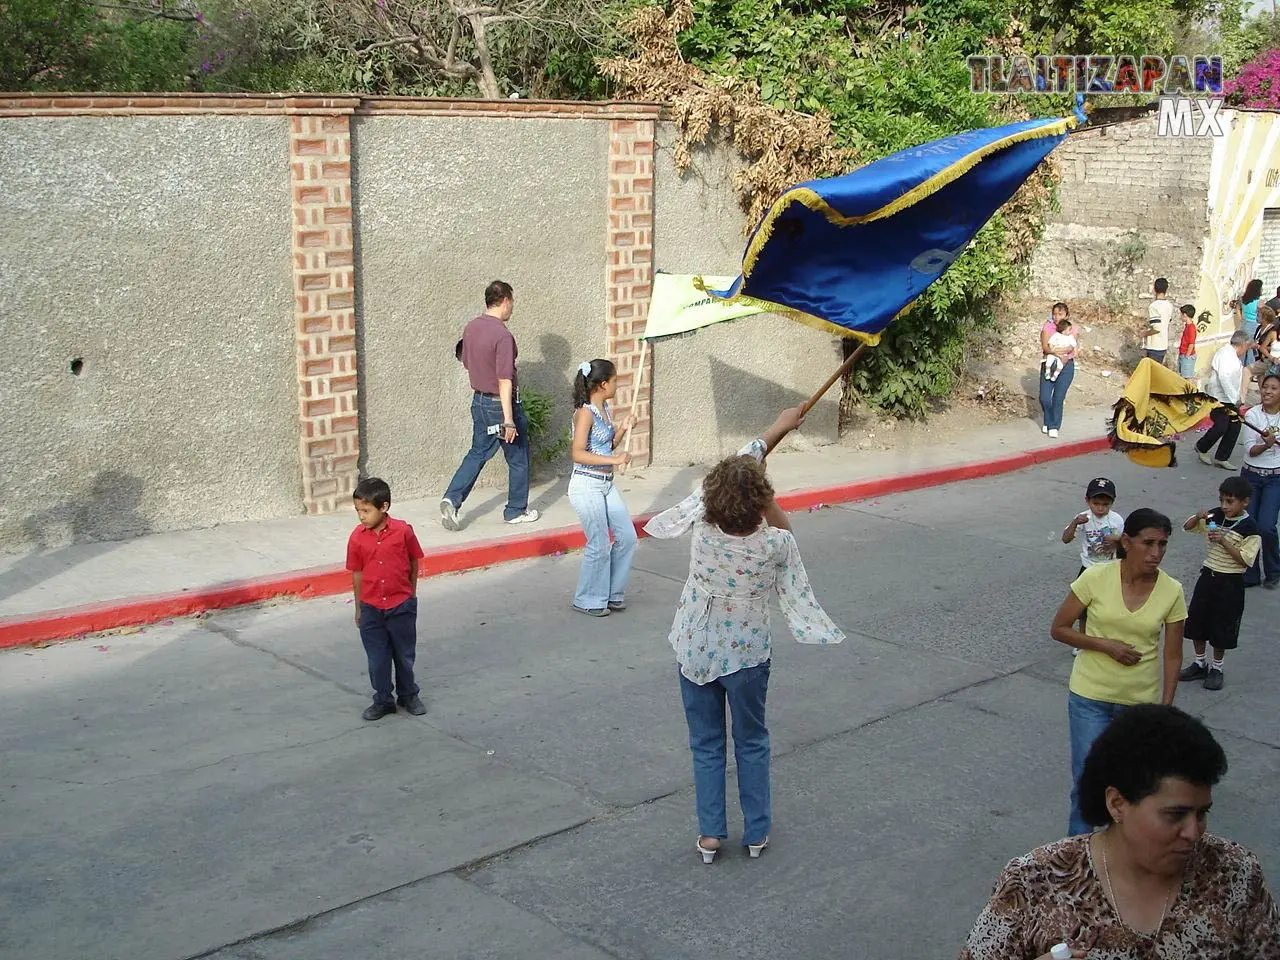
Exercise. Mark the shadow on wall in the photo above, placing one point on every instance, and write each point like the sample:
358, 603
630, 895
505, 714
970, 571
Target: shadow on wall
552, 374
742, 404
77, 529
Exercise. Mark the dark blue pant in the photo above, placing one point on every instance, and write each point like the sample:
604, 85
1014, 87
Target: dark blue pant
390, 636
1087, 720
1265, 507
1053, 394
1157, 355
486, 412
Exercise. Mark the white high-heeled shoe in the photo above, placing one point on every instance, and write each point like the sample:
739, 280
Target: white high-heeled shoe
754, 849
708, 853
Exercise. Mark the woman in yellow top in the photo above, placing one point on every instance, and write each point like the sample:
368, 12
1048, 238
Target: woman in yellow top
1129, 602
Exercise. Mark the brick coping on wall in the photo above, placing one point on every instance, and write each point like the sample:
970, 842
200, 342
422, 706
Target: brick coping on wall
279, 104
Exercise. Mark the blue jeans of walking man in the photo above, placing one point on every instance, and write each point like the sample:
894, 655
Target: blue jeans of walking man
606, 567
390, 637
1053, 394
704, 704
1265, 507
486, 413
1087, 720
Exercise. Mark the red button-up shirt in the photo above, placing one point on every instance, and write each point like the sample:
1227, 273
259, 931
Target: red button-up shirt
385, 558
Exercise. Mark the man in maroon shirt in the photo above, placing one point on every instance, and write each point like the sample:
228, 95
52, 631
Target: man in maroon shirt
497, 418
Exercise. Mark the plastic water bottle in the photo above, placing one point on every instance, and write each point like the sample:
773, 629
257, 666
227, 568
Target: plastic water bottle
1060, 951
1213, 525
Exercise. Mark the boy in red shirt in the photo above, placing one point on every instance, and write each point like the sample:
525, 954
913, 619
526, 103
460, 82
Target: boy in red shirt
382, 555
1187, 348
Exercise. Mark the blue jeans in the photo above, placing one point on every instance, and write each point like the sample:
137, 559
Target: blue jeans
1087, 720
606, 567
1186, 367
486, 412
390, 637
704, 712
1265, 507
1053, 394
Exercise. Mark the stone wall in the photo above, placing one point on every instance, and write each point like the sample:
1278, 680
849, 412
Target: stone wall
147, 380
228, 308
1121, 178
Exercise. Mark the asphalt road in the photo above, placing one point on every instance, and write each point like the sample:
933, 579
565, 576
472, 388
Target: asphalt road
207, 788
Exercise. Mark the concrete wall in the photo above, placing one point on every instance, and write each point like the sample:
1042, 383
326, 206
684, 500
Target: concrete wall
716, 389
443, 206
1116, 179
156, 250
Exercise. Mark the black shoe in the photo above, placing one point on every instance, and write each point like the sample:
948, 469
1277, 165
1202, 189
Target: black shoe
376, 711
413, 704
1194, 671
1214, 680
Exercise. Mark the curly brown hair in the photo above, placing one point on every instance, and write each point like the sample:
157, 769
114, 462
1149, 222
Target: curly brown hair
735, 494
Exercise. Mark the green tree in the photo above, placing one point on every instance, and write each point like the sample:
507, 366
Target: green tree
75, 45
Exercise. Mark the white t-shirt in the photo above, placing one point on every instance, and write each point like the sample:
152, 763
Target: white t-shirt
1268, 459
1159, 315
1060, 340
1224, 375
1093, 547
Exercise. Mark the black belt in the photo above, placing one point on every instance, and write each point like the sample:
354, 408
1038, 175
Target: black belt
491, 396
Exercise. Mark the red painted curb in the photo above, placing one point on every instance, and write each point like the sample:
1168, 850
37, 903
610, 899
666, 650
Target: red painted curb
326, 581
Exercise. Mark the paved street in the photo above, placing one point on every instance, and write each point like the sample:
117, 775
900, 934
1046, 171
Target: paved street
208, 789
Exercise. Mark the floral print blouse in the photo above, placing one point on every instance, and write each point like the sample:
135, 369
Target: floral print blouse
722, 620
1053, 894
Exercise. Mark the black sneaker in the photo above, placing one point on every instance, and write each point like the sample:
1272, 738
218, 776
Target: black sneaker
413, 704
376, 711
1194, 671
1214, 680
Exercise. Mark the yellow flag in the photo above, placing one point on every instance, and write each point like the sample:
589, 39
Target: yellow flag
1156, 406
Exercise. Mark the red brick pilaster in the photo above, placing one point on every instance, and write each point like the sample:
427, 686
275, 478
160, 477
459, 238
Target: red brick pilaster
630, 269
324, 291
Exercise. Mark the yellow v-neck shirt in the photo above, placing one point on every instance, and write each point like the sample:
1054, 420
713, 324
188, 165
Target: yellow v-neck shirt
1098, 676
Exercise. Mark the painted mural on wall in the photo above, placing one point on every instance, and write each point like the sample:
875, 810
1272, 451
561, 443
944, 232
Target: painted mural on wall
1244, 181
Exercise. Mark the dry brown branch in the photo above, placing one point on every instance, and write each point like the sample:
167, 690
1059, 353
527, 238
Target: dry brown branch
782, 147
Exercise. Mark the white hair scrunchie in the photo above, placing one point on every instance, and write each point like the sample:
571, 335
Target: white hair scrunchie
585, 369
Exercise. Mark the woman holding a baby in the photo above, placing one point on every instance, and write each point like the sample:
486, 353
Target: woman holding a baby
1058, 346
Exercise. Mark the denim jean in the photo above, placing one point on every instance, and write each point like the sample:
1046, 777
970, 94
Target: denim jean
1053, 394
606, 567
1224, 432
704, 704
1157, 355
486, 412
1087, 720
1186, 367
390, 637
1265, 507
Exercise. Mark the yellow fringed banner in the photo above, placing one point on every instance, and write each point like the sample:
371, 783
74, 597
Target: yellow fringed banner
1155, 407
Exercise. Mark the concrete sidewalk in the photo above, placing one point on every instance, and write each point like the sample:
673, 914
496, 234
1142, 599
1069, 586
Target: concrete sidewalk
91, 587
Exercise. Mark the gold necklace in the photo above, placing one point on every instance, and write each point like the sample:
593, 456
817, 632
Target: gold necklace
1106, 869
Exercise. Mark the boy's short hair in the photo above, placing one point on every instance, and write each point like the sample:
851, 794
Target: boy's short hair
1189, 310
373, 490
1161, 285
1237, 487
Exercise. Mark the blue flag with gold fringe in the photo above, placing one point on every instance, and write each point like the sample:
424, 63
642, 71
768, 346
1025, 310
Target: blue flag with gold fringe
848, 254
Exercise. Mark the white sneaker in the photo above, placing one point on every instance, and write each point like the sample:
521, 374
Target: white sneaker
448, 514
1053, 434
529, 516
1044, 429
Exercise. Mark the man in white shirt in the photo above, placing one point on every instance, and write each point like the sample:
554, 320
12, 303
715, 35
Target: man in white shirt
1226, 383
1159, 315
